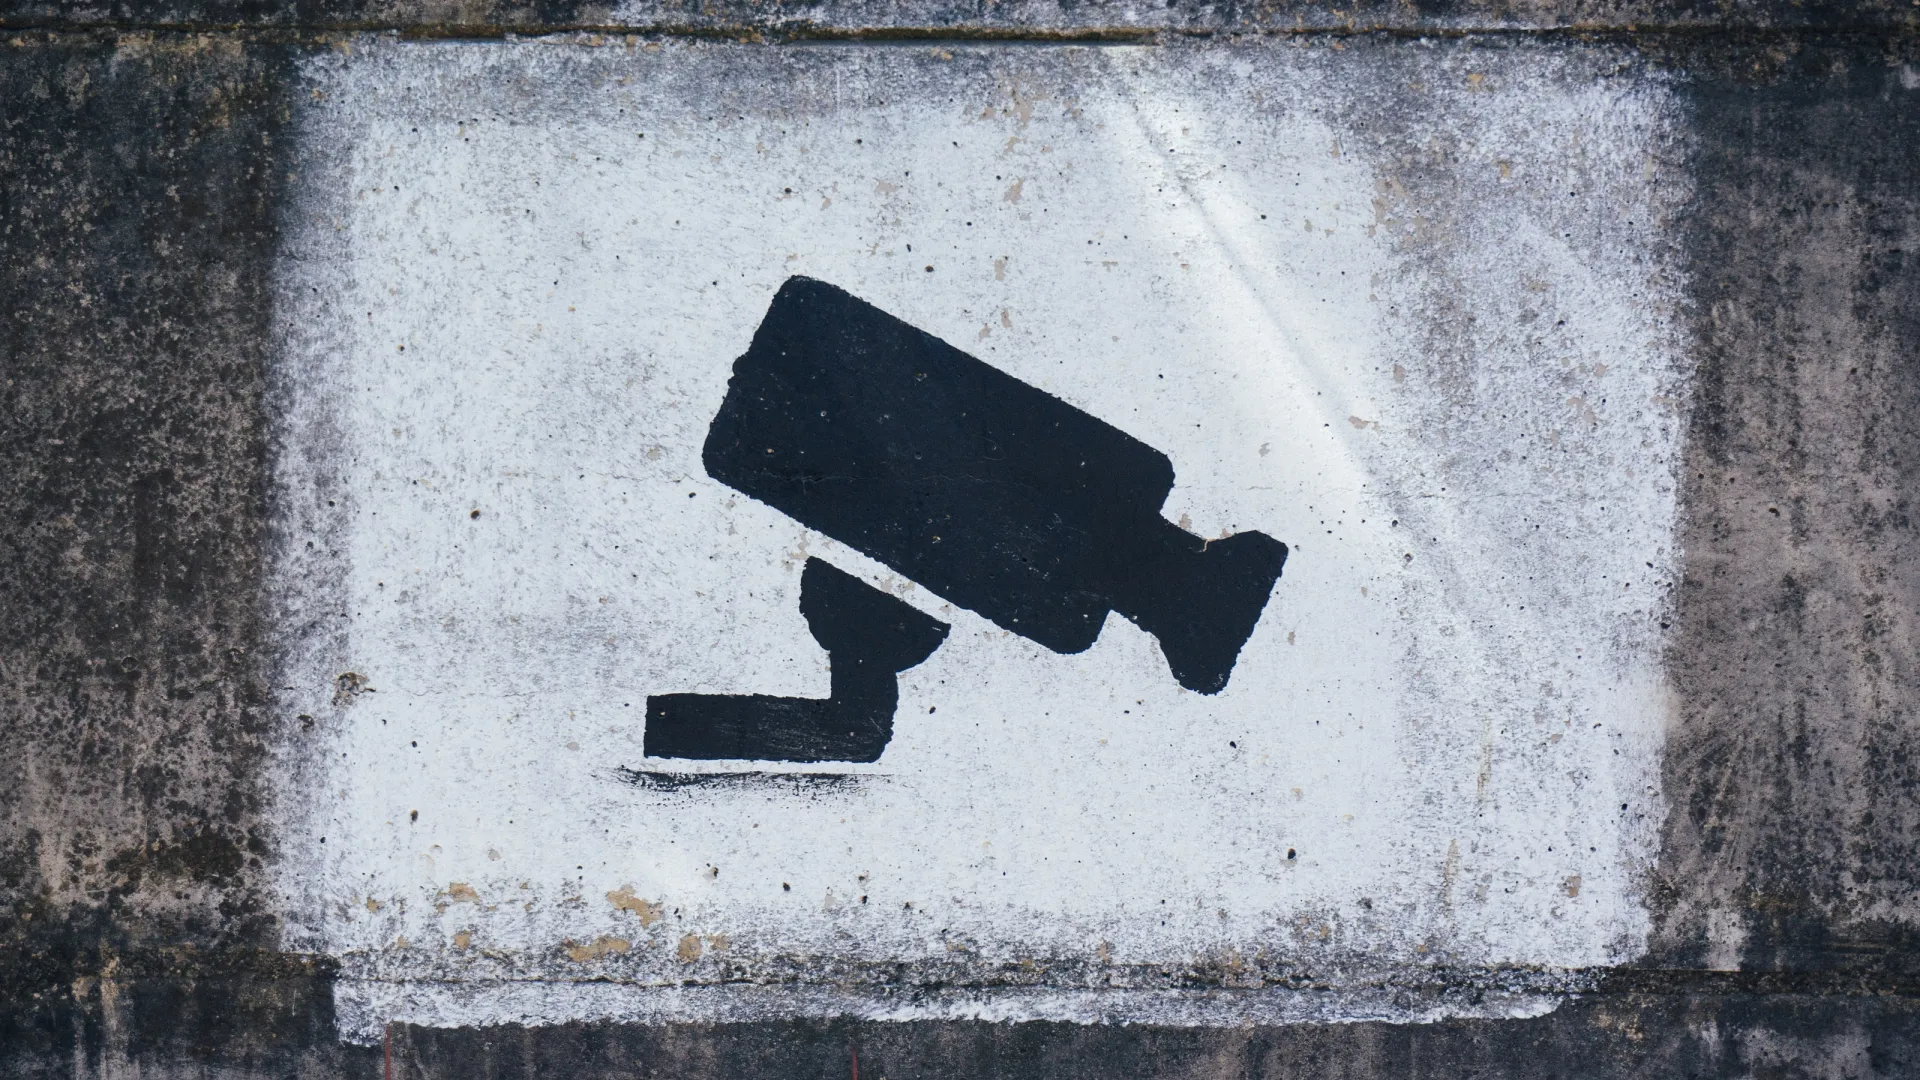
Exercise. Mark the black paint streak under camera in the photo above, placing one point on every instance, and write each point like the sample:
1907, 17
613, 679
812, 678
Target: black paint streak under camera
804, 783
869, 637
992, 493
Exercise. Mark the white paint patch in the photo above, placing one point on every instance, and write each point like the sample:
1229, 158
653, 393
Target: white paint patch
1409, 310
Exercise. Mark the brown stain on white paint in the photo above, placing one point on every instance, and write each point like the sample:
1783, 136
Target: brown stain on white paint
598, 947
623, 899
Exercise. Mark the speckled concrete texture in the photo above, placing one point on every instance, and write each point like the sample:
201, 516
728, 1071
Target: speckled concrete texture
142, 174
1792, 765
139, 178
1003, 19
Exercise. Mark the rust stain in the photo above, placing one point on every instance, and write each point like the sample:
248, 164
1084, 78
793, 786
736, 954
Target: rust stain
623, 899
689, 949
460, 892
463, 940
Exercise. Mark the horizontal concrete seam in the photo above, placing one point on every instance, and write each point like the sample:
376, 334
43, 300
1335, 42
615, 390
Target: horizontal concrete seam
164, 963
1848, 990
773, 34
1582, 982
1687, 983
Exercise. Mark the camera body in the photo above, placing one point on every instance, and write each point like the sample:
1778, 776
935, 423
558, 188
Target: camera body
991, 493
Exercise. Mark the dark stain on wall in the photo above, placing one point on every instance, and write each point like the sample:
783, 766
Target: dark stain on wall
140, 175
1791, 768
1602, 1038
138, 180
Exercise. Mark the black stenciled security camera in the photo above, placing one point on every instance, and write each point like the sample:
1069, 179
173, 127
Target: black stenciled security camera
995, 495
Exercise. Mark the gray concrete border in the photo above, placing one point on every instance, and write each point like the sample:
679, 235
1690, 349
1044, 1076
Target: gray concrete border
141, 164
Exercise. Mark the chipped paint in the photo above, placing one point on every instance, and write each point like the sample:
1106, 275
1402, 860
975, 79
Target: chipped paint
623, 899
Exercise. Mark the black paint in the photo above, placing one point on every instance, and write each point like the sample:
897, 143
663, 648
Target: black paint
869, 637
785, 782
992, 493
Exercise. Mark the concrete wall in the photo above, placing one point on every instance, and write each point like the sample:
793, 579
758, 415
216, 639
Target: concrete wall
152, 166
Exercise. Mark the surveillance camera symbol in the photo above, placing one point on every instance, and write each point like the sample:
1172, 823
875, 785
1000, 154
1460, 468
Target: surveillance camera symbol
989, 492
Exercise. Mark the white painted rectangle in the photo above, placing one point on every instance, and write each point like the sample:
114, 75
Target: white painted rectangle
1408, 309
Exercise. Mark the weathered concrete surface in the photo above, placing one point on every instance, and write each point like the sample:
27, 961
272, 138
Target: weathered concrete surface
140, 177
876, 19
1792, 767
1620, 1037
